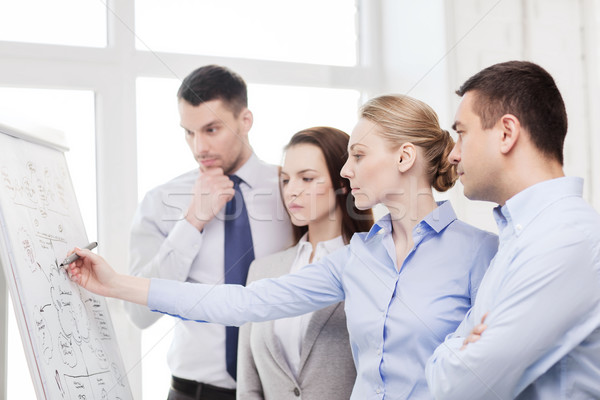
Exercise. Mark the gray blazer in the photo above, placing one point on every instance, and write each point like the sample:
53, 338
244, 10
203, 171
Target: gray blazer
326, 365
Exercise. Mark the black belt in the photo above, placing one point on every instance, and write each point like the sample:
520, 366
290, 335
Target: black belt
200, 390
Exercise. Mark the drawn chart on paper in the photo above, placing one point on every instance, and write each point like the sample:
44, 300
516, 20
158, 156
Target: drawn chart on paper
66, 331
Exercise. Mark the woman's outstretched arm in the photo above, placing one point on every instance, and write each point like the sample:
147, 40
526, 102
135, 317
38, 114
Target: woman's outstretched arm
94, 274
313, 287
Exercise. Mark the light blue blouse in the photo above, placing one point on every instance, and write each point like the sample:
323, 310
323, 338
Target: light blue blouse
396, 316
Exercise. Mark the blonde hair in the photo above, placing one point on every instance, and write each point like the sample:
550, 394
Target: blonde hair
405, 119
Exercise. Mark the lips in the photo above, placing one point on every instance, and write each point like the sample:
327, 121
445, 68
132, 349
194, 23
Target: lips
208, 162
294, 207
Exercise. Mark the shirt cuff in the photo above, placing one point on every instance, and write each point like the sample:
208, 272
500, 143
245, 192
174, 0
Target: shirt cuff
185, 239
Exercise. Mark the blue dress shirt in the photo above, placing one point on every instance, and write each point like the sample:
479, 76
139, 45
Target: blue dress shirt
542, 293
396, 316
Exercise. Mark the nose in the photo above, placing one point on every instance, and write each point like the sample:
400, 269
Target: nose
200, 145
292, 189
454, 156
346, 171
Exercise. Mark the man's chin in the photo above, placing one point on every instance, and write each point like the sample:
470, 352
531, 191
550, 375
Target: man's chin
475, 196
469, 194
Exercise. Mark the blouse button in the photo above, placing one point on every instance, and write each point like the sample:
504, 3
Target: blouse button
519, 227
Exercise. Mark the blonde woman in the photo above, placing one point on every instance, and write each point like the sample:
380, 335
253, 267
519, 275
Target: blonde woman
407, 283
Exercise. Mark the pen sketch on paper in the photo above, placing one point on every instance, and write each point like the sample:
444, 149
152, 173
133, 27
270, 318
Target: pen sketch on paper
66, 331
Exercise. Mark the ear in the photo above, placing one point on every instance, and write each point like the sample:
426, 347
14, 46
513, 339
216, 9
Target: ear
406, 156
247, 119
510, 130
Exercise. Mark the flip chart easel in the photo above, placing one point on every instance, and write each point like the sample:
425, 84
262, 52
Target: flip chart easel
67, 333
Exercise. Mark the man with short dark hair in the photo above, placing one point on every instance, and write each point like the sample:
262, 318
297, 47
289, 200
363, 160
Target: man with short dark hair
207, 225
534, 330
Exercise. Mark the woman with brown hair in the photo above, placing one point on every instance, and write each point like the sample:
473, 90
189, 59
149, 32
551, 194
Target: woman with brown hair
310, 353
406, 283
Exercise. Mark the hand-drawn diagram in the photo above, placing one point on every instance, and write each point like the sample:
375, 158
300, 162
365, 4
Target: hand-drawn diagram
43, 333
67, 329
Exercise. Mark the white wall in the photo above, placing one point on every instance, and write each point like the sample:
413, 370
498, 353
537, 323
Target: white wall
431, 47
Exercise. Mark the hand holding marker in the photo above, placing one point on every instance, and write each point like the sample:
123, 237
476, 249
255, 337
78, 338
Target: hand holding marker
74, 256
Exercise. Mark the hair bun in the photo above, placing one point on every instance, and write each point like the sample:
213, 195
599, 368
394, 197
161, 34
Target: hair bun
446, 175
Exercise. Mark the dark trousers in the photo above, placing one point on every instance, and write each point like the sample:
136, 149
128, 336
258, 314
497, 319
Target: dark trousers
183, 389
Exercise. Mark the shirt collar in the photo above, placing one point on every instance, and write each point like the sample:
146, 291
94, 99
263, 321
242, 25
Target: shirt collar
329, 245
250, 171
521, 209
437, 220
303, 242
441, 217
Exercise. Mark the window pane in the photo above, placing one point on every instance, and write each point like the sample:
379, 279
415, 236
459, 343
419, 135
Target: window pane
281, 111
73, 113
308, 31
162, 150
67, 22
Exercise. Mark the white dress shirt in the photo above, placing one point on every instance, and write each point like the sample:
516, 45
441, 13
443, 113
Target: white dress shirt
291, 331
165, 245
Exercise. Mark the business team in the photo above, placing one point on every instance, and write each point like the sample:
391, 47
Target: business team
427, 315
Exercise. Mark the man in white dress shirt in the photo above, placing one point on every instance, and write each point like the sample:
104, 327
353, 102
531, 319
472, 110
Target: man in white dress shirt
179, 230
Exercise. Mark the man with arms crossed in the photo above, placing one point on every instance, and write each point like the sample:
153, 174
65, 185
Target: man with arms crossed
180, 233
533, 332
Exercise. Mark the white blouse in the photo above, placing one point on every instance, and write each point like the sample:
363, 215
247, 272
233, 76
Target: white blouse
291, 331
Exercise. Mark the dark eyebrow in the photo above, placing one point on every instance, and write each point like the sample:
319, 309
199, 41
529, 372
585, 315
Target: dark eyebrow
211, 123
299, 172
214, 122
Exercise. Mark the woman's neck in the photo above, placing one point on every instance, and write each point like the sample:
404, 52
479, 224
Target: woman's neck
324, 230
405, 216
410, 207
